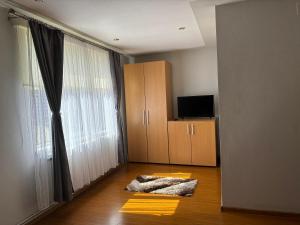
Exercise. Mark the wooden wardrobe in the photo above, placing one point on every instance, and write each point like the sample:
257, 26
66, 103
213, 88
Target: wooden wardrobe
148, 109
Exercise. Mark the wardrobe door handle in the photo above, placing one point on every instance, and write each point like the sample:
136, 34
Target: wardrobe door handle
188, 129
144, 117
148, 120
193, 131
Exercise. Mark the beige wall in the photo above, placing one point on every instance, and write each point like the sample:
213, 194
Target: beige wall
194, 72
259, 88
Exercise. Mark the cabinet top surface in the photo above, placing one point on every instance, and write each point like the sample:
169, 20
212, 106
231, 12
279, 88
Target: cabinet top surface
157, 61
192, 120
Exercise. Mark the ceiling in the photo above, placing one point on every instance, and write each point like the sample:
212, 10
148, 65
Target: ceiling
204, 11
142, 26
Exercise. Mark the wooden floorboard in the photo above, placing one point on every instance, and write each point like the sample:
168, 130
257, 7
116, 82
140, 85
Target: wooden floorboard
107, 203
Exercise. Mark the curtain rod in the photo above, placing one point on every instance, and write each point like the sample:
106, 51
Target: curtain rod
16, 14
13, 14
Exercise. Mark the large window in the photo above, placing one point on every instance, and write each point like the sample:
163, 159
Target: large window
88, 112
88, 107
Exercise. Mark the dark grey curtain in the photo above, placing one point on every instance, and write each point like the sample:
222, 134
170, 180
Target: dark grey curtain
49, 47
118, 81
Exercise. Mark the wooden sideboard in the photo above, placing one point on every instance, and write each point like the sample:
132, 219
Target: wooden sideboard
192, 142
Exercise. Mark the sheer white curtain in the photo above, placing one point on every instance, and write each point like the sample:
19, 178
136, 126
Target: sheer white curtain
88, 112
36, 121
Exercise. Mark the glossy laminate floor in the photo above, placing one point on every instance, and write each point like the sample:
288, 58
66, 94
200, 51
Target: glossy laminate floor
107, 203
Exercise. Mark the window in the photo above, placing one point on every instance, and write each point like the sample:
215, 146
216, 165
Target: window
88, 112
87, 100
88, 105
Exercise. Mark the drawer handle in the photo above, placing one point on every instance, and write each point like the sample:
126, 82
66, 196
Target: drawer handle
188, 129
193, 130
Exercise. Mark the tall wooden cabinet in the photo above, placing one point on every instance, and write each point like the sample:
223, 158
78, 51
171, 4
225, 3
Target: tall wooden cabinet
136, 112
148, 109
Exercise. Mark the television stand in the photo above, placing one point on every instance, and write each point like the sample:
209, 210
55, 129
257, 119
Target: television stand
192, 141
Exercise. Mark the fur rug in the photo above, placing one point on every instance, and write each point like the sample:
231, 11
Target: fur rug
162, 185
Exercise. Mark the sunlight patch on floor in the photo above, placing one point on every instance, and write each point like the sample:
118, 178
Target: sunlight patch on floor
179, 175
158, 207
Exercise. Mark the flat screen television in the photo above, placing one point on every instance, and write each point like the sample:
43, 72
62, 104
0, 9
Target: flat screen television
196, 106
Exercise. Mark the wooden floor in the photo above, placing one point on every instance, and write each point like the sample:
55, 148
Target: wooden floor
107, 203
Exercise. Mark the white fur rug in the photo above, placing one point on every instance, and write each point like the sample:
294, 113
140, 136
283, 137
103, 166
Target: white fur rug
163, 185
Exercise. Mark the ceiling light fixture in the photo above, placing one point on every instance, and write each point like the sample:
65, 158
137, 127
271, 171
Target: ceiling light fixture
181, 28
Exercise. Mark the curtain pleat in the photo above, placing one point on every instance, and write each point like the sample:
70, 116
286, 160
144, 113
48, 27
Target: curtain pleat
118, 81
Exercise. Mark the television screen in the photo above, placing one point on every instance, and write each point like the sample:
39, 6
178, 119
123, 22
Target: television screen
196, 106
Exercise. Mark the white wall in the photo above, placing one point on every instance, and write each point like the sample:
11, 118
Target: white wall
194, 72
17, 184
259, 88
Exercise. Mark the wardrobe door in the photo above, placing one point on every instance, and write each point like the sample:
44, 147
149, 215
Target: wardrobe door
179, 142
203, 138
135, 112
156, 107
